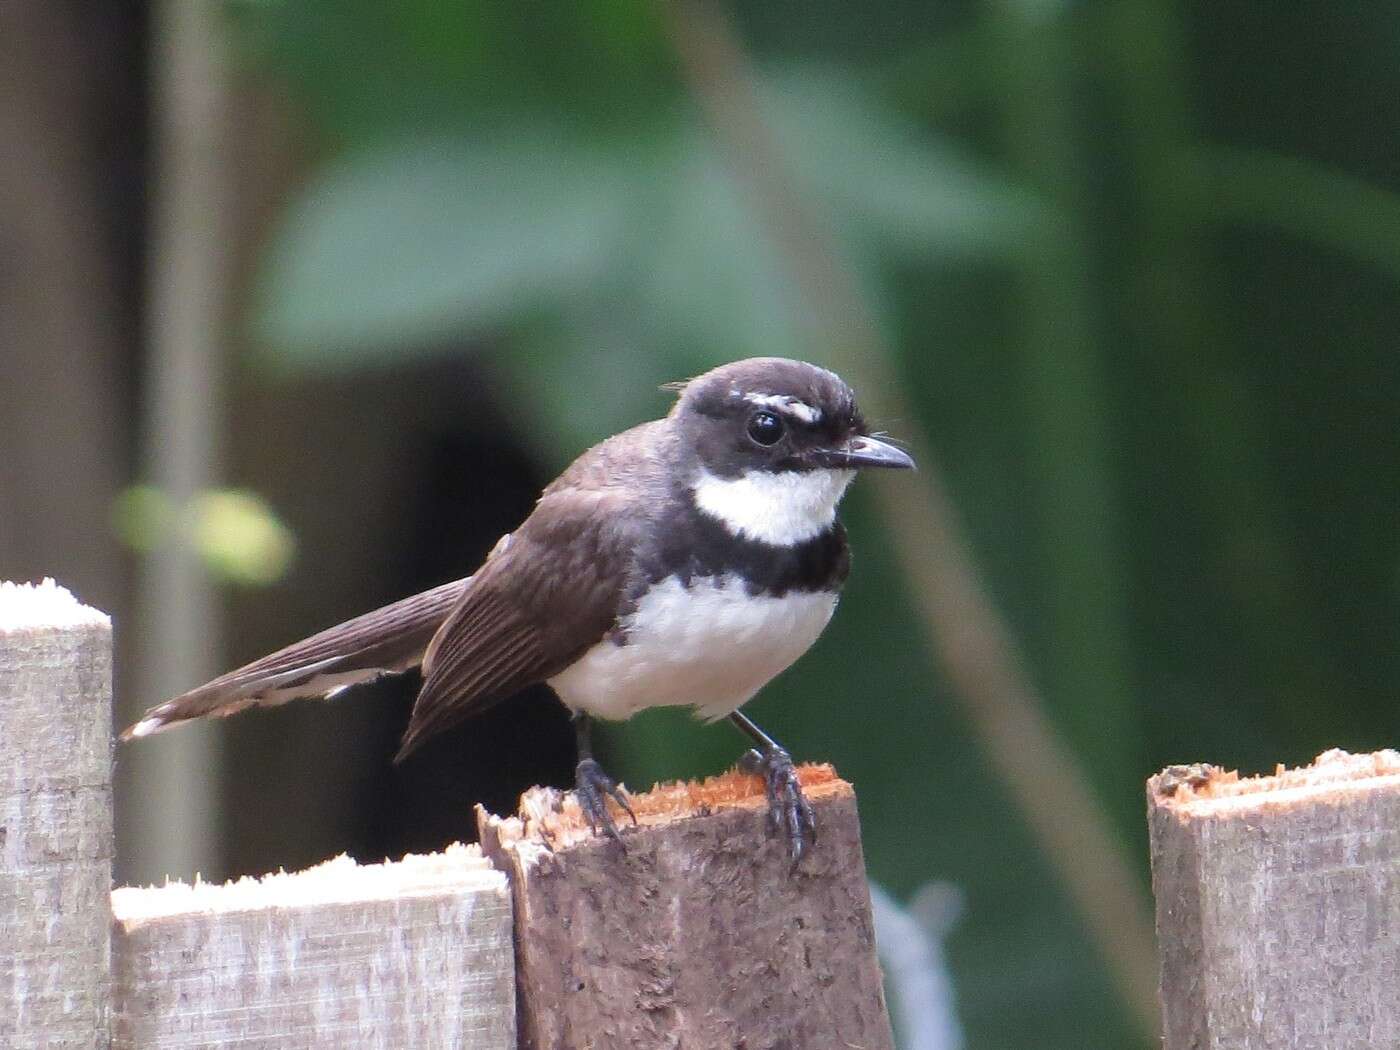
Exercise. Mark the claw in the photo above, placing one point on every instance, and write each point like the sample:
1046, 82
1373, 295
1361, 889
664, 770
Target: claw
789, 812
593, 788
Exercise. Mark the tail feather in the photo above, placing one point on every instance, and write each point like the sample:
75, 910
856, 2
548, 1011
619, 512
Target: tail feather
389, 640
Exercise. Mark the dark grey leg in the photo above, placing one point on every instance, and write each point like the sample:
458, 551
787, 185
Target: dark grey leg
789, 812
594, 787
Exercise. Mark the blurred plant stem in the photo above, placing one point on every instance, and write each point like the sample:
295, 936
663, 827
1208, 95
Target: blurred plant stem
172, 825
1070, 461
958, 616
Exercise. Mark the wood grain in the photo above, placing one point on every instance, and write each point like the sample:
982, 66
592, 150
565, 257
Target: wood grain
412, 954
55, 819
695, 935
1278, 905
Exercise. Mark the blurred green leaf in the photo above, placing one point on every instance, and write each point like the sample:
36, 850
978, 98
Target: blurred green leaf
367, 69
410, 243
885, 179
710, 276
406, 245
1301, 197
240, 537
237, 535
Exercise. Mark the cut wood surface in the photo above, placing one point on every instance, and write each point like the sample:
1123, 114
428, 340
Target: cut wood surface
55, 818
696, 935
1278, 905
416, 953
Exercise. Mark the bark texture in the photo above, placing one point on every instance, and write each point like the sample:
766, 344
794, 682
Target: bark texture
412, 954
696, 935
55, 819
1278, 905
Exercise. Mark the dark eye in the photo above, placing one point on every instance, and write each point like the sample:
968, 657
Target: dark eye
765, 428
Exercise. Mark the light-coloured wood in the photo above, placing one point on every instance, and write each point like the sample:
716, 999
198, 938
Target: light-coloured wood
696, 935
55, 818
1278, 905
416, 953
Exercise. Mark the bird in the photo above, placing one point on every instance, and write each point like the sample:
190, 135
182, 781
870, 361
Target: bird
686, 561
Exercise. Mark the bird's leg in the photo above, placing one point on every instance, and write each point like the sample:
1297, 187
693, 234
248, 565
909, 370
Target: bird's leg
592, 786
789, 812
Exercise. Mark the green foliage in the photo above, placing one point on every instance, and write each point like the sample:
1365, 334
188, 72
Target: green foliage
402, 245
367, 69
403, 241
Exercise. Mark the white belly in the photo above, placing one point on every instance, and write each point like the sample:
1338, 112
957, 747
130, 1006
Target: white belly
710, 645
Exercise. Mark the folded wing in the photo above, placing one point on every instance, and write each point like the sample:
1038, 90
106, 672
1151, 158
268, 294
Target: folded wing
537, 604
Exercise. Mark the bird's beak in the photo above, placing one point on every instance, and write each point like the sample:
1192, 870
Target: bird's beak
864, 452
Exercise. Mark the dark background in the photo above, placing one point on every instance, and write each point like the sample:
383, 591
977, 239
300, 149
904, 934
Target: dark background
1128, 272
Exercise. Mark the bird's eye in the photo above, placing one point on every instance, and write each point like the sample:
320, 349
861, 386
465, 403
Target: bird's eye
765, 428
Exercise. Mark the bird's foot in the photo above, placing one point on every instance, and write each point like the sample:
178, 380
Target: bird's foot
789, 812
593, 788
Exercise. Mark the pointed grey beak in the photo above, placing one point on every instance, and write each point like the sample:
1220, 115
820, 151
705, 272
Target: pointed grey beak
864, 452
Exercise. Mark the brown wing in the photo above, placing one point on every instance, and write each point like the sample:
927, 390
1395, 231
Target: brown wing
538, 603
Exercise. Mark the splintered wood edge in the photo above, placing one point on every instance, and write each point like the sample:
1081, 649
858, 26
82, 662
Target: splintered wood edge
341, 880
1203, 790
551, 819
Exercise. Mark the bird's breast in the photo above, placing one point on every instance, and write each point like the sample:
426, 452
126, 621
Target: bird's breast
708, 642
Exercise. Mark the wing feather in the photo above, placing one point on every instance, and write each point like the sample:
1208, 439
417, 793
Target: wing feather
535, 606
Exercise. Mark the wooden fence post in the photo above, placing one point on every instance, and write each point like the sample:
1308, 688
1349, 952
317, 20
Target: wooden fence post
695, 934
416, 953
1278, 905
55, 818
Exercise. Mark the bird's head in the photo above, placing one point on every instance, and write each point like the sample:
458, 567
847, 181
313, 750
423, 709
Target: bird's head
775, 442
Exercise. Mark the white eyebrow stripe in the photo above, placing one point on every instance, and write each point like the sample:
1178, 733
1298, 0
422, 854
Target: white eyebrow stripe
792, 406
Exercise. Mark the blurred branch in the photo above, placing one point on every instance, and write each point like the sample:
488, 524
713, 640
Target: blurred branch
189, 276
1299, 197
958, 616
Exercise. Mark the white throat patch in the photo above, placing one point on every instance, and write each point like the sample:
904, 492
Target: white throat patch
781, 509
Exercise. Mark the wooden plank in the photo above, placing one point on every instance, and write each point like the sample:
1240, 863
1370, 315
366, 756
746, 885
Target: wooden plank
1278, 905
696, 935
55, 818
416, 953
